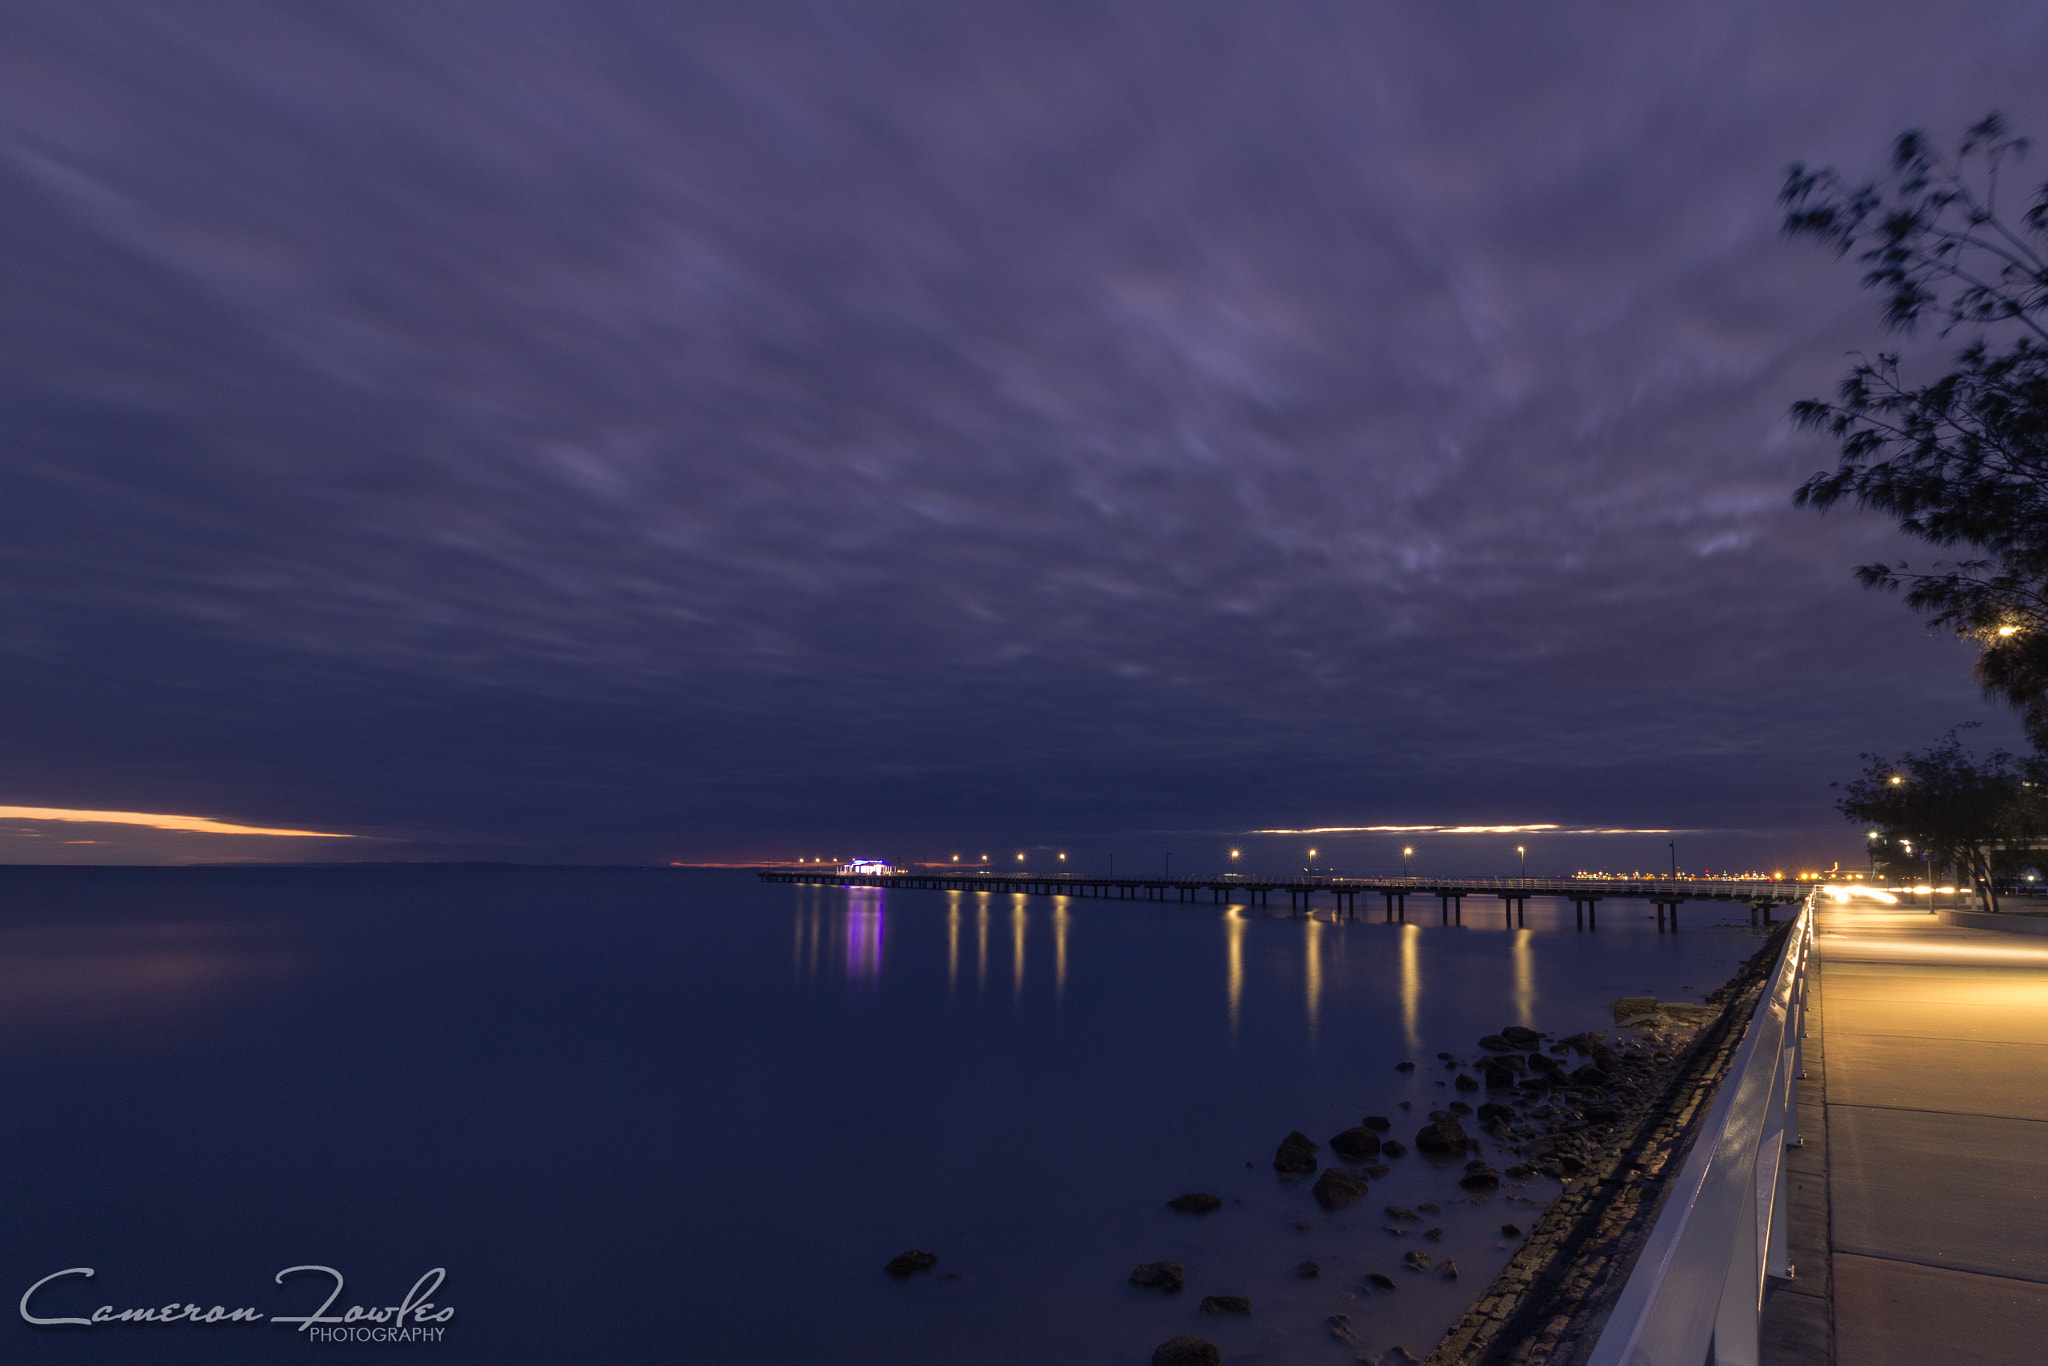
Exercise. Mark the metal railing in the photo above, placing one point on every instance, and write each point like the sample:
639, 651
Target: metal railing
1698, 1286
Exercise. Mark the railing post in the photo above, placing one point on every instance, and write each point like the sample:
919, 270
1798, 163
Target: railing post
1735, 1321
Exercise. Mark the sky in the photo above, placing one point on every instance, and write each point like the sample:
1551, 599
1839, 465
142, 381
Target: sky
611, 432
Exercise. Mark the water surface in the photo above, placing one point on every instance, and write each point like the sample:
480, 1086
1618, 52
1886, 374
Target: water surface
672, 1116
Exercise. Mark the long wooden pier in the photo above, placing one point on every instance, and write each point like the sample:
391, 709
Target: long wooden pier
1585, 894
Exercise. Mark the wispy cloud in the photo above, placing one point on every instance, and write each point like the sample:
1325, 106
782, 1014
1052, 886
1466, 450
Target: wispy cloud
1461, 830
156, 821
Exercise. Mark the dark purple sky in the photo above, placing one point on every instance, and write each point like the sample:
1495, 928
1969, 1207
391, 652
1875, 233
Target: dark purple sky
609, 431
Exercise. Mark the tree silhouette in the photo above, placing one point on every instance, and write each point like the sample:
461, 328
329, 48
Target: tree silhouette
1961, 462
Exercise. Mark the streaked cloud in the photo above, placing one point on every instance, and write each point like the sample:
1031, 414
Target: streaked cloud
156, 821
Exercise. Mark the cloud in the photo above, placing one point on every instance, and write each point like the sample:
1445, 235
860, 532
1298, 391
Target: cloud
195, 824
599, 432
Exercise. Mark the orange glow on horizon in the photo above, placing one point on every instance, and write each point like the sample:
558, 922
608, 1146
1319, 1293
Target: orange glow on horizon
193, 824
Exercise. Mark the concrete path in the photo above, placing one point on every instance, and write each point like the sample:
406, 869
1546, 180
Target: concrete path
1934, 1040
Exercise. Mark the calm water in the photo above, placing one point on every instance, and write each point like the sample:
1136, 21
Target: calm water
665, 1116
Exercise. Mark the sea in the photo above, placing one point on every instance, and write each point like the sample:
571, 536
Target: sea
505, 1115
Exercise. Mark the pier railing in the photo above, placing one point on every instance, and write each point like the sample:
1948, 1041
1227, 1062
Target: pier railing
1696, 1293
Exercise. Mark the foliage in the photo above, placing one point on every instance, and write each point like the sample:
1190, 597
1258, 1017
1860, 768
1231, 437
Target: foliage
1961, 462
1950, 808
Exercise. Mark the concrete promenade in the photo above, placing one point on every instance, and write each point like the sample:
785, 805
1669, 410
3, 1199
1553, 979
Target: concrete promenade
1920, 1202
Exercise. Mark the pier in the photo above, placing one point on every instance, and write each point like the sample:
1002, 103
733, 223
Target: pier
1341, 893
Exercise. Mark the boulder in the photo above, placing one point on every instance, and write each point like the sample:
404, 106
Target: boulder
1393, 1147
1494, 1043
1544, 1063
1404, 1067
1355, 1145
1590, 1076
1479, 1177
1602, 1114
1226, 1304
1435, 1235
1521, 1171
1521, 1037
1510, 1231
1429, 1209
1377, 1170
1340, 1328
1493, 1112
1336, 1188
1186, 1350
1308, 1271
1418, 1260
1466, 1083
1377, 1123
1459, 1107
1296, 1155
1629, 1007
1379, 1282
1499, 1078
1444, 1138
1396, 1212
1449, 1270
1195, 1202
1168, 1276
906, 1264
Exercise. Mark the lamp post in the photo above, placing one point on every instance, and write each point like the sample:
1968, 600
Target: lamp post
1234, 865
1405, 852
1525, 861
1673, 847
1311, 860
1169, 865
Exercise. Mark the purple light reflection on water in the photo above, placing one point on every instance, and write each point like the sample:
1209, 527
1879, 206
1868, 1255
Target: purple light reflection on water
864, 934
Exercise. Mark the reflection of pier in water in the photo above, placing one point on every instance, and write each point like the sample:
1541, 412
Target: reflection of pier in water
1585, 894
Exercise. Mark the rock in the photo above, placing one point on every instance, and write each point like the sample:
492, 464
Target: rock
1628, 1007
1589, 1075
1460, 1108
1521, 1171
1449, 1270
1336, 1188
1377, 1123
1226, 1304
1356, 1145
1340, 1328
1396, 1212
906, 1264
1168, 1276
1499, 1078
1393, 1147
1544, 1063
1510, 1231
1494, 1043
1429, 1209
1308, 1271
1398, 1355
1466, 1083
1602, 1114
1521, 1037
1418, 1260
1186, 1350
1407, 1105
1445, 1138
1296, 1155
1379, 1282
1445, 1057
1397, 1230
1195, 1202
1569, 1165
1377, 1170
1435, 1235
1480, 1177
1404, 1067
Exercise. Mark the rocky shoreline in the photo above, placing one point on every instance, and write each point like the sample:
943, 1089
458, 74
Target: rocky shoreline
1546, 1305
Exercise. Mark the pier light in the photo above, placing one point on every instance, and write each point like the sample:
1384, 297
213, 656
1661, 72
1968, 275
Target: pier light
1897, 779
956, 858
1063, 858
1020, 858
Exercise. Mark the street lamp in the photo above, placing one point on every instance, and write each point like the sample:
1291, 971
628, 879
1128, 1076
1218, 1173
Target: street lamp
1234, 864
1404, 861
1673, 847
1311, 860
1525, 859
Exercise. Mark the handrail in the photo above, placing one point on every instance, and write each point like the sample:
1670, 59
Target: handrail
1698, 1286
